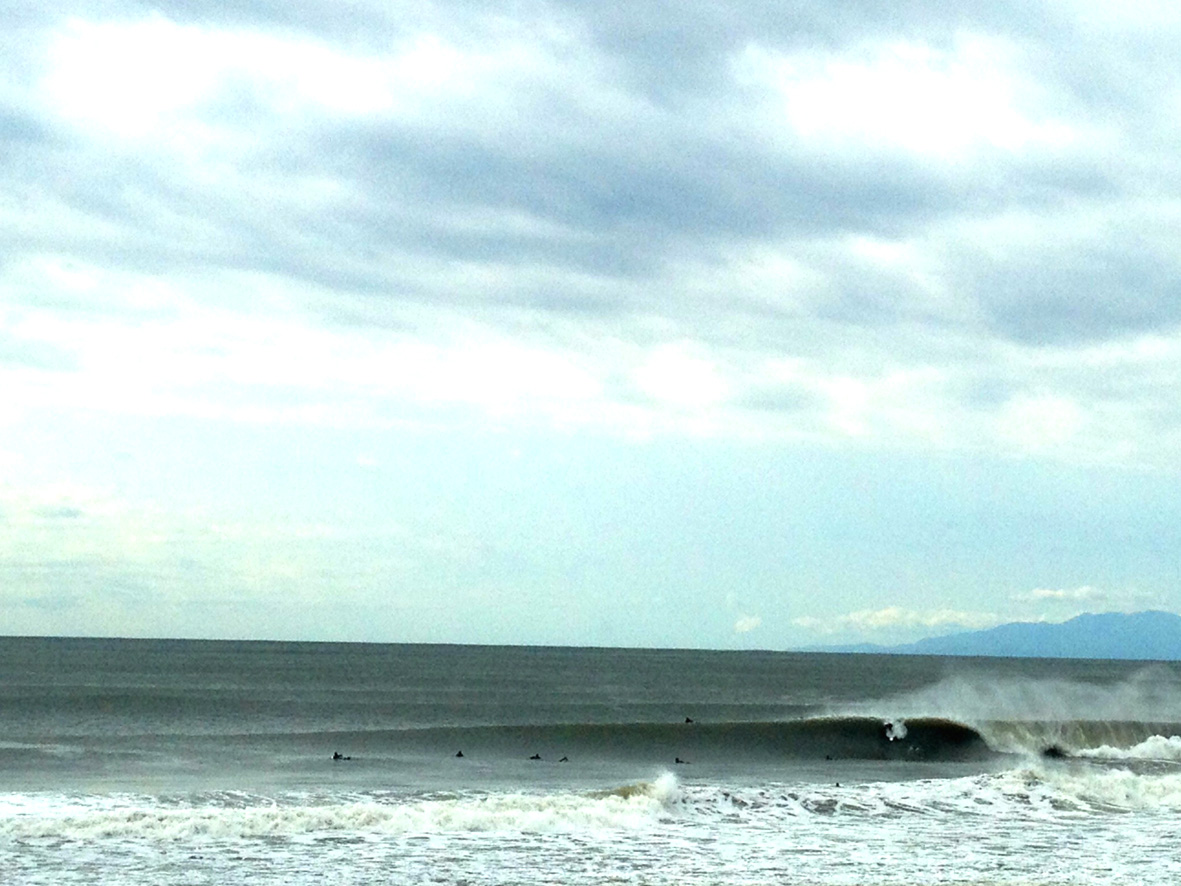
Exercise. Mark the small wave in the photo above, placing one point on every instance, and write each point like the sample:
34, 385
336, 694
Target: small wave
664, 789
1157, 748
1036, 792
1041, 793
629, 807
1102, 788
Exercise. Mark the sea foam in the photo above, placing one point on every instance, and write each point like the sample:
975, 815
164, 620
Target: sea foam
1155, 747
75, 819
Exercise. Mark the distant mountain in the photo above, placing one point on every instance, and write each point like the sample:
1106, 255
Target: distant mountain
1142, 636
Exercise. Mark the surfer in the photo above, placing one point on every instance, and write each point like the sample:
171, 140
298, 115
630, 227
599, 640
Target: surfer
679, 761
535, 757
564, 760
459, 753
337, 755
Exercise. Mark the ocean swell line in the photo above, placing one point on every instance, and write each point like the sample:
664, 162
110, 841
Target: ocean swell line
867, 738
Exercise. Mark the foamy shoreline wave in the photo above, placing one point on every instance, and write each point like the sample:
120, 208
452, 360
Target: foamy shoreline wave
1155, 747
1049, 791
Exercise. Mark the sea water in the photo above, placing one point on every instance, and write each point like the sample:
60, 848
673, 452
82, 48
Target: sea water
128, 762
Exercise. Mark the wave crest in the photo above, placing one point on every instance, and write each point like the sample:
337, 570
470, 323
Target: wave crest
631, 807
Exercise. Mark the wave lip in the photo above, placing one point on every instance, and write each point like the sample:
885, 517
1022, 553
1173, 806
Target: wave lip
917, 738
1099, 739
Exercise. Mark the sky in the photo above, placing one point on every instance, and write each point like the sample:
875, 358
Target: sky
719, 325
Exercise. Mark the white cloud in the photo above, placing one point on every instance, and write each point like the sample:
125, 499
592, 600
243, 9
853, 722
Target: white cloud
1041, 422
673, 375
909, 95
153, 77
126, 76
1086, 597
893, 617
747, 623
1086, 592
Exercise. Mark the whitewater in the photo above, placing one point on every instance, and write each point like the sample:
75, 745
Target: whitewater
188, 762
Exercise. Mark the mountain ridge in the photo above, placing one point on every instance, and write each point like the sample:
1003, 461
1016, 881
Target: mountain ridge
1152, 635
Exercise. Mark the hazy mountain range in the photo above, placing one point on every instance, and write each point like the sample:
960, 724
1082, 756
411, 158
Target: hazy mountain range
1140, 635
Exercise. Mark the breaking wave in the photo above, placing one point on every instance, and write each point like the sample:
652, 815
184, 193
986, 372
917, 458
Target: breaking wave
1107, 739
850, 737
1131, 719
1156, 748
836, 737
1039, 792
326, 817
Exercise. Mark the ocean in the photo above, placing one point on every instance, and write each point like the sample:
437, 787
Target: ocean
209, 762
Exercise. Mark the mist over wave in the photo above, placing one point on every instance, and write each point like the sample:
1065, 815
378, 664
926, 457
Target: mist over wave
1133, 718
1150, 694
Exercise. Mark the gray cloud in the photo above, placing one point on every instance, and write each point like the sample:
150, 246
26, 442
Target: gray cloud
59, 512
1108, 285
627, 178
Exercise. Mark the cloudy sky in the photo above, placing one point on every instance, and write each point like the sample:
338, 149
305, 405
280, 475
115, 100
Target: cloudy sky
700, 324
